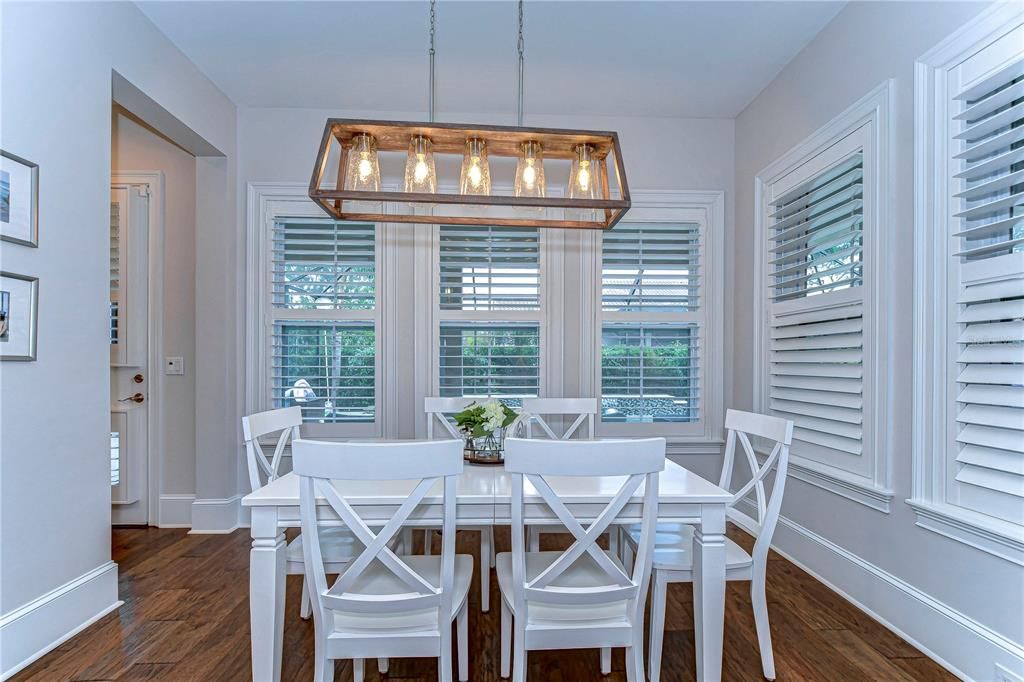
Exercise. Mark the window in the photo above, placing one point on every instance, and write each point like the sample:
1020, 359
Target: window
823, 346
969, 290
323, 334
650, 333
490, 311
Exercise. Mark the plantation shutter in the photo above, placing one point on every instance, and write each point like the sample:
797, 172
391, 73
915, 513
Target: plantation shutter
319, 264
651, 267
989, 316
489, 268
322, 332
489, 359
816, 345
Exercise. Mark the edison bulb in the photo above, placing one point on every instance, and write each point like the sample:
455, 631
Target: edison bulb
584, 177
421, 169
365, 167
529, 174
475, 174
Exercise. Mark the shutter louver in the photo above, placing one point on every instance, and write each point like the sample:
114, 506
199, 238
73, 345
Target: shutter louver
817, 376
489, 359
115, 271
990, 303
326, 368
816, 233
489, 268
323, 265
651, 267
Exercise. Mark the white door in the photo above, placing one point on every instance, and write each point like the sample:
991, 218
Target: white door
129, 352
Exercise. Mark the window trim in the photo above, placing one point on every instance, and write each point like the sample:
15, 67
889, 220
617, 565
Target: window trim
706, 208
268, 202
930, 466
875, 110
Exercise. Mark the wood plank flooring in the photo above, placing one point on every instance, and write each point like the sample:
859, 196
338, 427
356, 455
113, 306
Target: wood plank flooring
186, 617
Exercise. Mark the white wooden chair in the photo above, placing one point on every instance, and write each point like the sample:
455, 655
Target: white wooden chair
438, 411
583, 411
339, 544
384, 605
673, 552
581, 597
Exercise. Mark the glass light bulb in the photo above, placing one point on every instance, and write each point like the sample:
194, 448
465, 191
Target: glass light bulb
420, 176
365, 167
530, 170
362, 170
585, 175
475, 177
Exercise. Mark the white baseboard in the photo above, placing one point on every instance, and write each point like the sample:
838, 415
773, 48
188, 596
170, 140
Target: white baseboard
46, 622
957, 642
213, 516
176, 511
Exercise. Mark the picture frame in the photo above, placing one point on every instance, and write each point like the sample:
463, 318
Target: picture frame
19, 316
19, 200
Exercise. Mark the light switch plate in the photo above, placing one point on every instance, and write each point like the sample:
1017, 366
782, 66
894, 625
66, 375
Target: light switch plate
174, 366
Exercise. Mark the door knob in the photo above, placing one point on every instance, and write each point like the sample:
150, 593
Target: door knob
138, 378
137, 398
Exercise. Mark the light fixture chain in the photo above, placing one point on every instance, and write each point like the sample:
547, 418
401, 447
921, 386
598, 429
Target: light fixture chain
433, 22
521, 45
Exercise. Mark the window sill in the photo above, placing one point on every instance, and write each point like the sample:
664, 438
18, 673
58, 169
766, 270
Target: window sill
1000, 539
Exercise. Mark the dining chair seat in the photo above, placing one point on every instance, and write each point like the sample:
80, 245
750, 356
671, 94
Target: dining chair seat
339, 545
673, 548
583, 573
378, 580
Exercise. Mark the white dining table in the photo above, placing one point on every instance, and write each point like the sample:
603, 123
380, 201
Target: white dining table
483, 497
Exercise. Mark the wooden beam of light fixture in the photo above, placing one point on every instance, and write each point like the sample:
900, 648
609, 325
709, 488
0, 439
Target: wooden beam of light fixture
329, 192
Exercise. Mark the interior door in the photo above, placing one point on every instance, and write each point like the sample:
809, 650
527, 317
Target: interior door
129, 352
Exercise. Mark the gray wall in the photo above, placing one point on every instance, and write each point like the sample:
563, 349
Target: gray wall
57, 64
864, 45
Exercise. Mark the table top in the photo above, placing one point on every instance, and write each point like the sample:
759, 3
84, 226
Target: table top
488, 485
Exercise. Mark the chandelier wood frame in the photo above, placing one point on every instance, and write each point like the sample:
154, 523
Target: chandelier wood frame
450, 138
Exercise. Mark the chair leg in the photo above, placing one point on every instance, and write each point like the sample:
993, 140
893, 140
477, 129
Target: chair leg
519, 651
305, 602
494, 554
657, 628
462, 628
357, 670
486, 538
627, 556
533, 537
444, 661
506, 640
323, 667
382, 665
764, 633
606, 661
635, 657
613, 541
428, 541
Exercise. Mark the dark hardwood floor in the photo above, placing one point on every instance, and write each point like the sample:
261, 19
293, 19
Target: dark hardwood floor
186, 617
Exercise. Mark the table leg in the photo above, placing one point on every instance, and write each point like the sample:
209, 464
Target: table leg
709, 591
266, 594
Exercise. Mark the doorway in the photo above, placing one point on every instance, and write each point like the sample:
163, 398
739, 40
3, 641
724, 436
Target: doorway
133, 394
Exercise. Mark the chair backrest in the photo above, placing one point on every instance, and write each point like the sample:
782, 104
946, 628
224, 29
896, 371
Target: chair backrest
640, 462
740, 426
438, 409
318, 463
285, 422
583, 409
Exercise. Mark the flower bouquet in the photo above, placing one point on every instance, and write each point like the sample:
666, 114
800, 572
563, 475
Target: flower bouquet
483, 426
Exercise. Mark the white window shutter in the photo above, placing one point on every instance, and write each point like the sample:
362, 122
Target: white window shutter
489, 268
988, 155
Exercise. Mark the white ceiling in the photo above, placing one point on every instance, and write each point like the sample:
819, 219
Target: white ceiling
699, 59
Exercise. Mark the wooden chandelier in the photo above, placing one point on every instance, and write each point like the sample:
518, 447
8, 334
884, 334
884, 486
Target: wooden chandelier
447, 205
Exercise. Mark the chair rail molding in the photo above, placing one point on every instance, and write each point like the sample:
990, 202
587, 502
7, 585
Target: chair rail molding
872, 487
931, 272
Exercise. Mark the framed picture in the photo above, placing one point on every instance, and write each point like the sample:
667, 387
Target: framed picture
19, 200
19, 304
